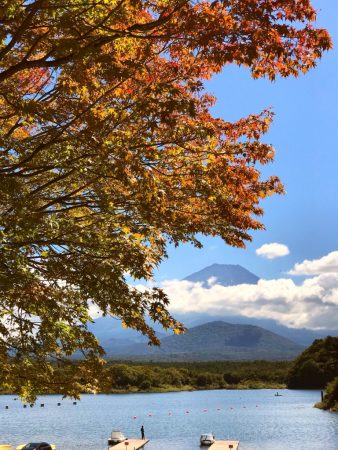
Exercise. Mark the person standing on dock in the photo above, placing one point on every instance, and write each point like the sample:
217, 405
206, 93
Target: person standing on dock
142, 432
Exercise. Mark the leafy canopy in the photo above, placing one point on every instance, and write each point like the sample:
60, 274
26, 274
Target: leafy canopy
109, 151
316, 366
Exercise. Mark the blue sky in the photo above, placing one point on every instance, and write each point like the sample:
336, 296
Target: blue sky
304, 134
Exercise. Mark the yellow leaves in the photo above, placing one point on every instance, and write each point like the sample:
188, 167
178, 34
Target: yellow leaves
138, 236
210, 158
124, 325
83, 91
128, 156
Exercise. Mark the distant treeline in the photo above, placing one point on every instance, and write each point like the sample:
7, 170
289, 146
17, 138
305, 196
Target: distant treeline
133, 376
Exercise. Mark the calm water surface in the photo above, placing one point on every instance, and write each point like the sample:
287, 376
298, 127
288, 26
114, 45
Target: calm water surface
174, 421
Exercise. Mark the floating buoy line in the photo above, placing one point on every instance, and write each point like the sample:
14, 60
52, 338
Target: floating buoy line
151, 414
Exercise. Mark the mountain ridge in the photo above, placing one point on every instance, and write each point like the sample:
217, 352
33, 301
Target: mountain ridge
212, 341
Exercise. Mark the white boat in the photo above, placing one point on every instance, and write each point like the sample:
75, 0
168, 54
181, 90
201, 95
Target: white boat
207, 439
116, 437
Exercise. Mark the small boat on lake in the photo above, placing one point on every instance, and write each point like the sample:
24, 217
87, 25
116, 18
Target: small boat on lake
207, 439
278, 395
116, 437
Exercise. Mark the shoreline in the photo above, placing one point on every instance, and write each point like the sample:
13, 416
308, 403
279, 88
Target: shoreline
168, 389
195, 389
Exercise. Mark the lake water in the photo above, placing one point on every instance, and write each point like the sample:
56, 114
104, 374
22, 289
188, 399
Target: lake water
174, 421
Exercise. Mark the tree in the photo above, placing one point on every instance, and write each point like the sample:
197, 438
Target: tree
109, 151
309, 376
330, 400
316, 366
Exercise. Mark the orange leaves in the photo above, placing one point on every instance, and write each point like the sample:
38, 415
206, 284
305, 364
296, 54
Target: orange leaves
109, 148
222, 31
31, 81
251, 127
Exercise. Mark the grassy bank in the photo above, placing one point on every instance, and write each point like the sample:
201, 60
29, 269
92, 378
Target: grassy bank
330, 401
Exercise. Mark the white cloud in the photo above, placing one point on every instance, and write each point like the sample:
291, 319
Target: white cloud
94, 311
212, 281
273, 250
312, 304
326, 264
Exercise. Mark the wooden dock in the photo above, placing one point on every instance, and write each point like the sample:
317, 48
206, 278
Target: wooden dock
224, 445
132, 444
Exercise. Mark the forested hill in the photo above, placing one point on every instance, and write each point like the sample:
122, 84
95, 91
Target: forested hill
213, 341
317, 368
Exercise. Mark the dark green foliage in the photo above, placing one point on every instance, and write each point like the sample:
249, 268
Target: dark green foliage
124, 376
208, 375
331, 396
145, 385
205, 379
308, 375
231, 378
316, 366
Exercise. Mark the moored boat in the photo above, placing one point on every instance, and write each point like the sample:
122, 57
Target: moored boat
116, 437
207, 439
